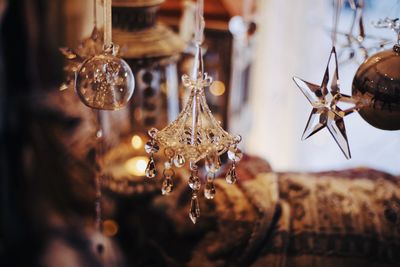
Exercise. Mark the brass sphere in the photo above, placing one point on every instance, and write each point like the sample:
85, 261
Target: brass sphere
376, 86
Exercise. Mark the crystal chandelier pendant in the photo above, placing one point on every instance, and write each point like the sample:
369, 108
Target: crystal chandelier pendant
195, 135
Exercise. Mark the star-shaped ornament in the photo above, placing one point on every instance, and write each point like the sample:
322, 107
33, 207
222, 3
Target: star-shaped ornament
325, 99
356, 45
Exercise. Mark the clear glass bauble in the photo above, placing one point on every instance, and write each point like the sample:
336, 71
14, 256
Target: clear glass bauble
376, 86
105, 82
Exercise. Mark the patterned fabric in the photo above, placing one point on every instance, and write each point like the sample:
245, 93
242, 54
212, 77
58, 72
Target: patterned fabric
336, 219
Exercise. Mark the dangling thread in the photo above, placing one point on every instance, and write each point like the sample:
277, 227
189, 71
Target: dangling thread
199, 22
95, 13
98, 178
336, 14
247, 10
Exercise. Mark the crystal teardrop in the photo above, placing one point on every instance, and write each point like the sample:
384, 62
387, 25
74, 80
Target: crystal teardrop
235, 154
167, 186
151, 169
231, 177
194, 212
194, 182
209, 190
213, 163
151, 147
167, 165
179, 161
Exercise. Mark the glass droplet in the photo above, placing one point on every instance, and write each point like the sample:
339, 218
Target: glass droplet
194, 212
231, 177
235, 154
151, 171
167, 186
99, 134
209, 190
213, 163
167, 165
179, 161
151, 147
194, 182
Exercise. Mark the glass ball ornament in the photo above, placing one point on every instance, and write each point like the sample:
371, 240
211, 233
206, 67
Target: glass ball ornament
105, 82
376, 87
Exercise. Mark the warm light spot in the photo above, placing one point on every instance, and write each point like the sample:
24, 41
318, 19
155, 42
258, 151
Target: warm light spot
217, 88
137, 165
137, 142
110, 228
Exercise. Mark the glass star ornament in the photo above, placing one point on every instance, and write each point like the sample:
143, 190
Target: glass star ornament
195, 135
324, 99
388, 23
356, 45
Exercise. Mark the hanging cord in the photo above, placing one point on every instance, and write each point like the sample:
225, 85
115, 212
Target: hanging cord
95, 13
247, 10
199, 23
198, 67
107, 24
336, 14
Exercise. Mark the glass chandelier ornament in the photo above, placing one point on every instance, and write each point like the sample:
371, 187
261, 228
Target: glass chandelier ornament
105, 81
152, 50
376, 84
325, 98
194, 135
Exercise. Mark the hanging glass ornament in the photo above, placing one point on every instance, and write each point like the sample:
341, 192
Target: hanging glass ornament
356, 44
209, 190
195, 134
325, 99
376, 85
105, 81
194, 212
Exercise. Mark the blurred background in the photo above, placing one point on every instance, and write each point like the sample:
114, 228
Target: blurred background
298, 43
253, 48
